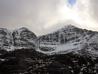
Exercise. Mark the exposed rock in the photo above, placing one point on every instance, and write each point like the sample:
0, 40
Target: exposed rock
5, 39
23, 38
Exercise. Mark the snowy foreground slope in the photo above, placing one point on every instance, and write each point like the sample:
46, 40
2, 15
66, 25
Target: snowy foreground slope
70, 39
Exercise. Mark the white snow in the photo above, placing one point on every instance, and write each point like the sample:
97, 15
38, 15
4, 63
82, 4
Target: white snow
68, 47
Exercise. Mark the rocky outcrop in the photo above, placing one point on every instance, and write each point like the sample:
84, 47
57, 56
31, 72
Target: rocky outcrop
5, 39
70, 39
72, 51
23, 38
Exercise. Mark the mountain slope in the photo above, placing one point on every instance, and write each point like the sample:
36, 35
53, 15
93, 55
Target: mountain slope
69, 39
23, 38
5, 39
20, 38
65, 40
61, 46
28, 61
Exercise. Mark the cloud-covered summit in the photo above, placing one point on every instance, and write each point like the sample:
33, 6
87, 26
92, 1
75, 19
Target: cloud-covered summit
40, 16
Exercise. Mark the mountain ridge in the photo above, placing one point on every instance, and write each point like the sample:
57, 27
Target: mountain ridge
20, 37
66, 51
69, 39
65, 40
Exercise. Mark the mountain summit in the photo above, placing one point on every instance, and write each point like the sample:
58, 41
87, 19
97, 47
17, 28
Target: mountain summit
20, 38
70, 50
23, 38
65, 40
70, 39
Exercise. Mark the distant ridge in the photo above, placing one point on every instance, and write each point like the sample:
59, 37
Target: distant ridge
65, 40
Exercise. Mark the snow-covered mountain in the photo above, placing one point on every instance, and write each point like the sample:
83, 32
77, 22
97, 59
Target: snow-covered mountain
65, 40
61, 45
70, 39
23, 38
20, 38
5, 39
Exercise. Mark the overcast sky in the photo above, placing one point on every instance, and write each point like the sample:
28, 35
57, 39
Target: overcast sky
45, 16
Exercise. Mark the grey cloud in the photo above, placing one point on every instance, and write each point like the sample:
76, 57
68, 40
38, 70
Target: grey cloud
94, 9
29, 13
33, 14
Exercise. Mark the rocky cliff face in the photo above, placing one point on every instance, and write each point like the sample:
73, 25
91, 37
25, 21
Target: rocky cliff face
70, 50
69, 39
28, 61
5, 39
65, 40
23, 38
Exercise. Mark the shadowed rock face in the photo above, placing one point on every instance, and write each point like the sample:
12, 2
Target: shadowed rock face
5, 39
21, 38
29, 61
24, 38
68, 33
84, 40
